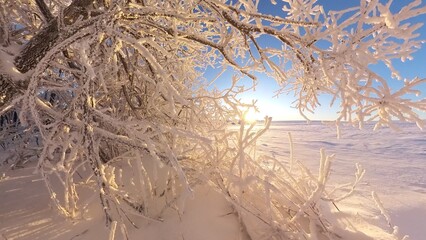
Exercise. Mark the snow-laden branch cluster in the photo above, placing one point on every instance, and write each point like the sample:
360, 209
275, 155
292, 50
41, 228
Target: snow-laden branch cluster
314, 52
114, 94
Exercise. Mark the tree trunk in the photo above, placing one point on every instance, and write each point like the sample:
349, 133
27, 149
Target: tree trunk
47, 38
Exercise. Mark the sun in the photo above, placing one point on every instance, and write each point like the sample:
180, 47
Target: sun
250, 116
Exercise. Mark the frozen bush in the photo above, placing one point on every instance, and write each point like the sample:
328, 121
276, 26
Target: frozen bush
116, 93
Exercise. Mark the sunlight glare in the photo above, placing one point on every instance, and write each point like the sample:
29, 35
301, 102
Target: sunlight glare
250, 116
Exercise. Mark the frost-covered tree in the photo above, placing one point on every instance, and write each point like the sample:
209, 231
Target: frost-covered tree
112, 95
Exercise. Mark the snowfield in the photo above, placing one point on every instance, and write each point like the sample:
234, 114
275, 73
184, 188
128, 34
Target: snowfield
395, 164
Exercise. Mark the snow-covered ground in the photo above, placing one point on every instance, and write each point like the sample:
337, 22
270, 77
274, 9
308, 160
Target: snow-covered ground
395, 164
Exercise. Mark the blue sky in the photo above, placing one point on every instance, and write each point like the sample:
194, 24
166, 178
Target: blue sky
280, 108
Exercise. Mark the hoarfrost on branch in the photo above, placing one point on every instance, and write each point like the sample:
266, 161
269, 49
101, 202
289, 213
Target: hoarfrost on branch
114, 95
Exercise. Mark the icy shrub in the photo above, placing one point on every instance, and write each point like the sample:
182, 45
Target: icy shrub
119, 96
277, 199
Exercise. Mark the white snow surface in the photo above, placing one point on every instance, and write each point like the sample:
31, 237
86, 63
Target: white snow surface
395, 163
396, 170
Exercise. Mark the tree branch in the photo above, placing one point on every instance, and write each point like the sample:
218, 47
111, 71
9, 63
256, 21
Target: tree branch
41, 43
4, 31
44, 9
